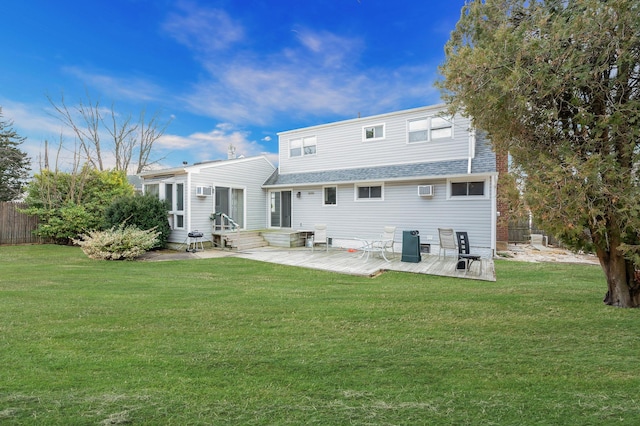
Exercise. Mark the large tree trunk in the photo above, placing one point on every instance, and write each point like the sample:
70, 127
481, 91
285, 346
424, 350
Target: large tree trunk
623, 289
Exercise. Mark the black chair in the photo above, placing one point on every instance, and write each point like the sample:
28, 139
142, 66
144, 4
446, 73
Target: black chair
465, 258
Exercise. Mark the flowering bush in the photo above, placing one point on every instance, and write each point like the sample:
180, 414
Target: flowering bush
121, 243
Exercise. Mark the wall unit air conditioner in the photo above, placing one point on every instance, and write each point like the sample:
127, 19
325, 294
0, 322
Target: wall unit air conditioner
425, 190
203, 191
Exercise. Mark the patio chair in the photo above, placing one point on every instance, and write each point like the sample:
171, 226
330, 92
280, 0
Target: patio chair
447, 241
319, 237
386, 239
465, 258
380, 245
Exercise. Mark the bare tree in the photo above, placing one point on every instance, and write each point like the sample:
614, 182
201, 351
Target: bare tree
127, 141
123, 134
86, 127
148, 134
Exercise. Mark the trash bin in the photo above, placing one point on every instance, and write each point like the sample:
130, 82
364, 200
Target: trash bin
411, 246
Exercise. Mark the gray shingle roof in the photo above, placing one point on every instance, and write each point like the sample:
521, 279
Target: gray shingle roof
371, 173
484, 162
485, 159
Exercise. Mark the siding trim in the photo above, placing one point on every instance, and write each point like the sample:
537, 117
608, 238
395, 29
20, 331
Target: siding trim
375, 180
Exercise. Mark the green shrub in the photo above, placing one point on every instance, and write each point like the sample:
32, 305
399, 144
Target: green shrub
69, 204
121, 243
65, 223
143, 211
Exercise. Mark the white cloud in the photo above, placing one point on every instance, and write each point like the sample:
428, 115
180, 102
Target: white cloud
320, 76
330, 50
31, 118
37, 125
131, 88
213, 144
247, 94
203, 29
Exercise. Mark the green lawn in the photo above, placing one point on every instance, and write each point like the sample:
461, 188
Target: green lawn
231, 341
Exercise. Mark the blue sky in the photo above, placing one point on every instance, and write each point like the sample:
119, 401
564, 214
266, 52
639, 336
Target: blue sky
224, 72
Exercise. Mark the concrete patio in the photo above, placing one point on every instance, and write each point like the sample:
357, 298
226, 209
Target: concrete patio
348, 262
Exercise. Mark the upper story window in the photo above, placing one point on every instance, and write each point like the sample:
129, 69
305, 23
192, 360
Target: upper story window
429, 128
371, 133
330, 196
441, 128
418, 130
302, 146
369, 192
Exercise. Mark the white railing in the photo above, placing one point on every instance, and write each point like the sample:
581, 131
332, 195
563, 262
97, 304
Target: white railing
225, 226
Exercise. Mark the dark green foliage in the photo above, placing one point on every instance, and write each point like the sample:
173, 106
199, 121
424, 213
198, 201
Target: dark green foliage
14, 164
143, 211
70, 204
557, 85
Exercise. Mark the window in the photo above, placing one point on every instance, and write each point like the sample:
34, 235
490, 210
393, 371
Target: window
309, 145
152, 189
179, 206
418, 130
295, 148
330, 196
369, 192
429, 128
174, 196
180, 196
168, 194
441, 128
302, 146
370, 133
467, 189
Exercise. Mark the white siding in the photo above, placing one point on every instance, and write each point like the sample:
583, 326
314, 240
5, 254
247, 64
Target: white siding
401, 207
248, 174
340, 145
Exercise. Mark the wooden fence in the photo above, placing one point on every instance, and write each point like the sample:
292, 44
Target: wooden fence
520, 232
17, 227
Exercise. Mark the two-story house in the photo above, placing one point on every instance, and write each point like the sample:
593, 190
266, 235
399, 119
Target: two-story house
416, 169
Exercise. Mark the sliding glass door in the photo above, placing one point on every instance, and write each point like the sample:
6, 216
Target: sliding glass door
230, 201
280, 209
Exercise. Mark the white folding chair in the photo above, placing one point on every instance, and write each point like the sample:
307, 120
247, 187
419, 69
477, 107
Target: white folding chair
447, 241
386, 239
320, 237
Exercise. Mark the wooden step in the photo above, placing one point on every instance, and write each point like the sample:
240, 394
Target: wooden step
244, 240
285, 238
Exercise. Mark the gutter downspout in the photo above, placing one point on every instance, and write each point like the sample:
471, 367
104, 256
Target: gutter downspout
188, 206
494, 212
472, 149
